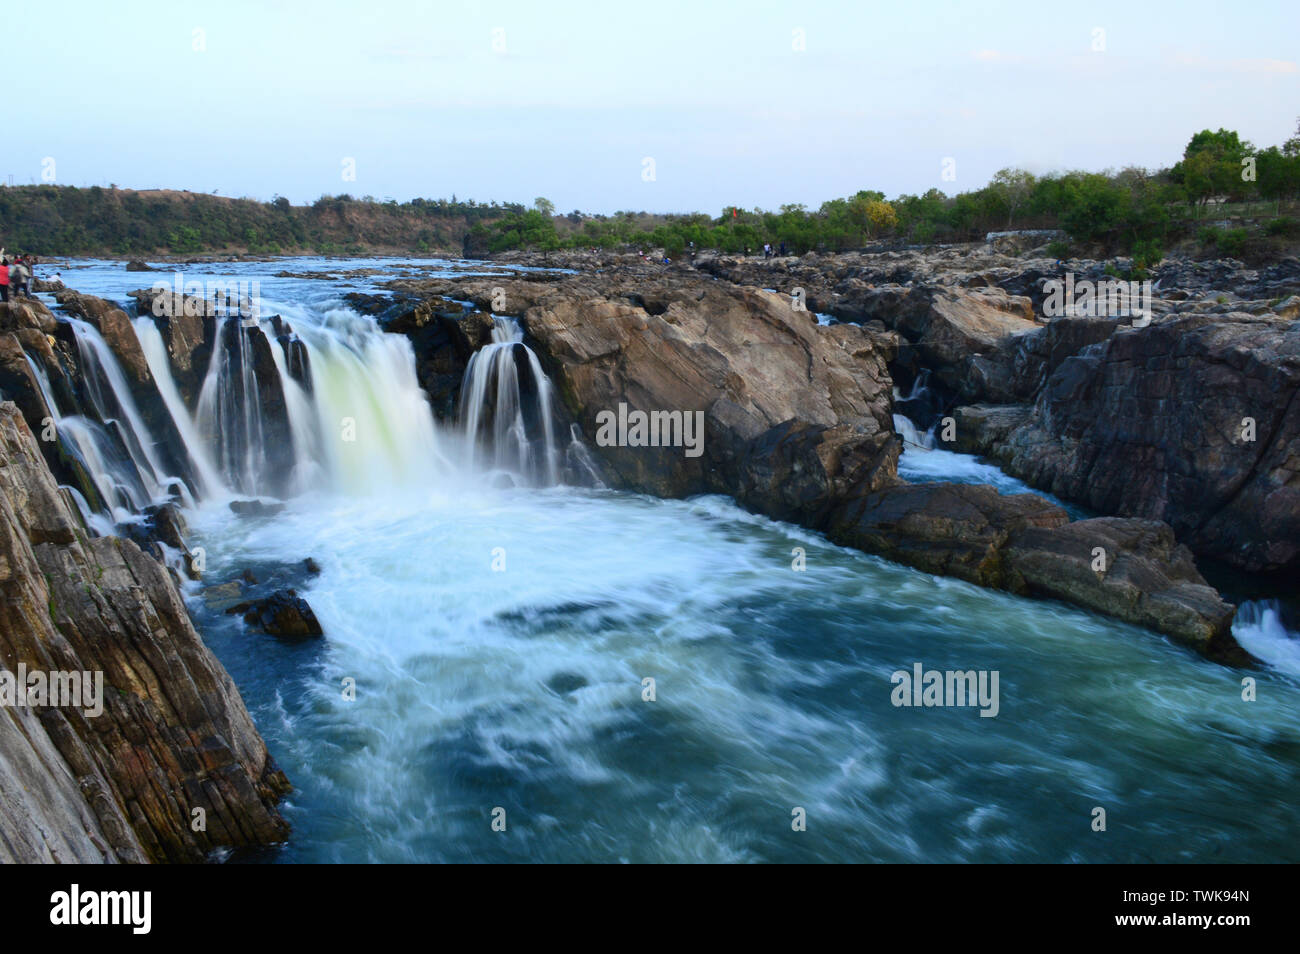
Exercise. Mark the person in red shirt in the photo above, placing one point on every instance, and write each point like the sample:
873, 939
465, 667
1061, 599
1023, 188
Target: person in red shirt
4, 279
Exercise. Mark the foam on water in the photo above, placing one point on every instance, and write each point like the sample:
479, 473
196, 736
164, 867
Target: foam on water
499, 640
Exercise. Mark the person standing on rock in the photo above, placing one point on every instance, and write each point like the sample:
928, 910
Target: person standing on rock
4, 279
18, 279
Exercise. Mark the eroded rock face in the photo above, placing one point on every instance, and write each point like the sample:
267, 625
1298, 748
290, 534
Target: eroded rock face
173, 735
956, 530
795, 416
1155, 422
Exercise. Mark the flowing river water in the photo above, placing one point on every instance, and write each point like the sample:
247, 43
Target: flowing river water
499, 633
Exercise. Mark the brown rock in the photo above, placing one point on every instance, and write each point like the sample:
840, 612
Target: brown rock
173, 735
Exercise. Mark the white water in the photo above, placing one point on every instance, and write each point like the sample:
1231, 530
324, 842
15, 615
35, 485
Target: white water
499, 639
1258, 627
498, 432
366, 428
122, 485
923, 460
155, 352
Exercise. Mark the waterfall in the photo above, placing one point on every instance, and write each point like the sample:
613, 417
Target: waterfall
506, 409
1261, 629
913, 439
230, 414
112, 447
904, 426
155, 353
366, 425
111, 397
312, 399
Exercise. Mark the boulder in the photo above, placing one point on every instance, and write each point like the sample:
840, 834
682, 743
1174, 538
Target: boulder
284, 613
1127, 568
794, 414
26, 313
943, 528
255, 508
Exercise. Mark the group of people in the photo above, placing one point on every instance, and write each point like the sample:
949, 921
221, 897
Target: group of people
16, 274
769, 250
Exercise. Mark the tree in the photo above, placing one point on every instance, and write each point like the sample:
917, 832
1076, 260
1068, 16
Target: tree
1013, 186
544, 206
1211, 165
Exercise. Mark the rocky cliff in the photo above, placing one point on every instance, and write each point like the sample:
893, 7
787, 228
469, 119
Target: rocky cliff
173, 767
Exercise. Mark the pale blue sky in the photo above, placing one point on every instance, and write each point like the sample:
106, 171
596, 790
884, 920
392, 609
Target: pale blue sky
715, 93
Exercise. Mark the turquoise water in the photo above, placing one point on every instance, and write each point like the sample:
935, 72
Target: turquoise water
522, 689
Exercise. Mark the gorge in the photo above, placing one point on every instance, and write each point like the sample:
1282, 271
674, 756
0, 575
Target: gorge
399, 422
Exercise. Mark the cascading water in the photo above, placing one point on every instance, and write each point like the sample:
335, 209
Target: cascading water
524, 688
506, 411
111, 396
366, 426
1260, 628
230, 416
155, 351
99, 457
111, 445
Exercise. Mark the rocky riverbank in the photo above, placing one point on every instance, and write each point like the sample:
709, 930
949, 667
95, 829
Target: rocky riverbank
173, 767
1178, 428
1188, 416
798, 409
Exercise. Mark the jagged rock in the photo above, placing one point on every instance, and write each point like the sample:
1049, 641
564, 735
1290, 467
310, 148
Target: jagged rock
248, 348
284, 613
136, 266
119, 334
795, 415
984, 428
297, 360
173, 734
168, 525
1153, 422
188, 328
26, 313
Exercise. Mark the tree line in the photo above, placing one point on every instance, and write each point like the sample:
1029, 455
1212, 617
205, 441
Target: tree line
1135, 211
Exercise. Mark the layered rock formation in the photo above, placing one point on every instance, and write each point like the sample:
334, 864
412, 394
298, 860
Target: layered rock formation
173, 767
1193, 420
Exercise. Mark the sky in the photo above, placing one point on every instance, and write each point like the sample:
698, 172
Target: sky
645, 105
